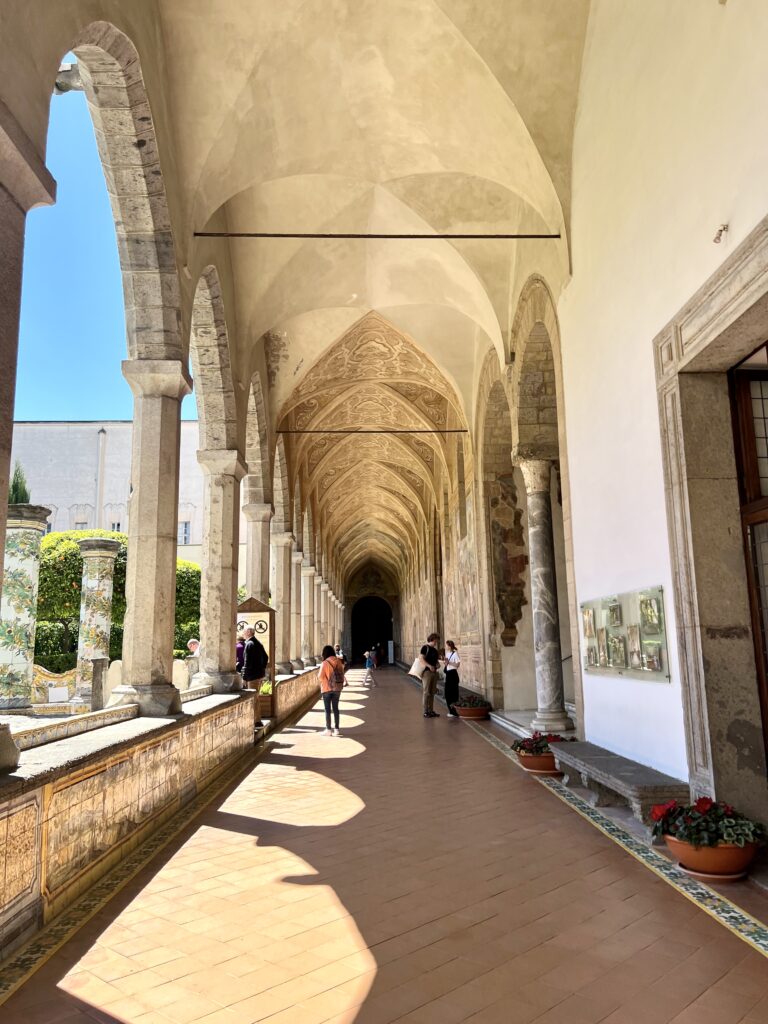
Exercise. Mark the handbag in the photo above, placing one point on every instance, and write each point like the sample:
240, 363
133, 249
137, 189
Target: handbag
417, 668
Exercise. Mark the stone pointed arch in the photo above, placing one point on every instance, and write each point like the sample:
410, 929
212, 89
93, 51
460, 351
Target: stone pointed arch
110, 71
282, 521
259, 479
211, 366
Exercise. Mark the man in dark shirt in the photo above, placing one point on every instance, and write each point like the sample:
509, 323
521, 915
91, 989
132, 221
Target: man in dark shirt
429, 677
255, 658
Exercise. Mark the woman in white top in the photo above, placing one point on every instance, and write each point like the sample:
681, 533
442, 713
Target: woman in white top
452, 662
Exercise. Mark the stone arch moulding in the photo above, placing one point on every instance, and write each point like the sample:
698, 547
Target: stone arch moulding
110, 70
258, 483
211, 366
536, 307
282, 521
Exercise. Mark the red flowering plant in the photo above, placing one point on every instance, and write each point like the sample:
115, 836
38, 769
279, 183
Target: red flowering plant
705, 823
538, 743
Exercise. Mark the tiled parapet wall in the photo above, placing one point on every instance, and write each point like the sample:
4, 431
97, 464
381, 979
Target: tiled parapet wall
66, 820
294, 692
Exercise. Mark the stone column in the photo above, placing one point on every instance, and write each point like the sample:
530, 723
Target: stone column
257, 538
99, 556
325, 631
18, 610
280, 576
223, 470
296, 661
336, 630
158, 386
318, 615
550, 714
308, 615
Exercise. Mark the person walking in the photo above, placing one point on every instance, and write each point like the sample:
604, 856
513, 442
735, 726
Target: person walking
239, 653
332, 681
452, 662
431, 658
370, 663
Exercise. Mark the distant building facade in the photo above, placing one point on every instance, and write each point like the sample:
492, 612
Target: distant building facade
82, 472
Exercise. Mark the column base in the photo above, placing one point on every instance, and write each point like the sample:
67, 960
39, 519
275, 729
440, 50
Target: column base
9, 752
309, 662
284, 668
155, 700
551, 721
297, 665
221, 682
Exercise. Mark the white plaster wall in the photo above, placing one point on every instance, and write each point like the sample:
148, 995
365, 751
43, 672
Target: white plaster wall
670, 141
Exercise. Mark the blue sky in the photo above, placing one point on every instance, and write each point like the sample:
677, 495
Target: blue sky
72, 336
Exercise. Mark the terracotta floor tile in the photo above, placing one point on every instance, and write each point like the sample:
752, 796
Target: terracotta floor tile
348, 881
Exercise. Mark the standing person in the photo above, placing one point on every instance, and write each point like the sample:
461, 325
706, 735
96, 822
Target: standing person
342, 655
193, 646
430, 657
255, 658
452, 662
239, 653
370, 664
332, 680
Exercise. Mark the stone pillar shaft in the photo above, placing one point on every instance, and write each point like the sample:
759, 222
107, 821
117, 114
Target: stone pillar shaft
218, 588
550, 714
296, 661
318, 616
99, 556
280, 573
158, 387
307, 614
324, 610
257, 538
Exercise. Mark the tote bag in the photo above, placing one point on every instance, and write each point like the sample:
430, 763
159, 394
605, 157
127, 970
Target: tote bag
417, 668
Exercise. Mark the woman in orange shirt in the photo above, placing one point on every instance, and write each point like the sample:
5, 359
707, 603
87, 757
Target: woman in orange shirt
332, 680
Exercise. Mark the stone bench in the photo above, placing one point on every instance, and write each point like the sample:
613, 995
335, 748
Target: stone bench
613, 779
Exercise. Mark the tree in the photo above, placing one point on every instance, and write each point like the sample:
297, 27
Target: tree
18, 493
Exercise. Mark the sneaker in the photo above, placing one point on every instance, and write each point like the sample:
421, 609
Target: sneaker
427, 714
327, 732
434, 714
336, 732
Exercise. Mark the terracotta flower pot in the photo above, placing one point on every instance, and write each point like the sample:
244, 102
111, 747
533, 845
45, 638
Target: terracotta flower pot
476, 713
543, 764
726, 859
265, 705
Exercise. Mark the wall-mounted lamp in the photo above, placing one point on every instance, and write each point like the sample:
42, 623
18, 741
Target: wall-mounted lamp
719, 234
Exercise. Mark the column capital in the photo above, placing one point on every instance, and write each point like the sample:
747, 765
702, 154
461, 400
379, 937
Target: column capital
93, 547
258, 513
222, 462
282, 540
157, 378
307, 570
325, 587
297, 557
537, 474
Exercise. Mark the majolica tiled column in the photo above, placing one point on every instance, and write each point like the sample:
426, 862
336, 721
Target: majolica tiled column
318, 615
308, 615
99, 556
550, 697
280, 576
296, 661
257, 536
218, 590
158, 386
18, 609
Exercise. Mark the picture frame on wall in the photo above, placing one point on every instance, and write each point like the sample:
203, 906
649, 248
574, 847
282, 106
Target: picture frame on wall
652, 657
635, 650
617, 651
588, 620
650, 616
592, 661
602, 647
614, 614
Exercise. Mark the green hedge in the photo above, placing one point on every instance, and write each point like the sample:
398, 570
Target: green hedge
185, 631
57, 662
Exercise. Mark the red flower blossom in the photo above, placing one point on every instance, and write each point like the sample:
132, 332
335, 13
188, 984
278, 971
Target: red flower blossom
703, 805
660, 811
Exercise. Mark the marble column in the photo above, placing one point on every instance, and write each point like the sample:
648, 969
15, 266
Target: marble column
308, 615
318, 615
223, 470
336, 629
296, 662
257, 537
325, 631
99, 556
18, 609
550, 714
158, 386
280, 577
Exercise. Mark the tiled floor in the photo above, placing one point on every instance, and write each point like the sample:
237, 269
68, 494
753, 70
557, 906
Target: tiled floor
405, 872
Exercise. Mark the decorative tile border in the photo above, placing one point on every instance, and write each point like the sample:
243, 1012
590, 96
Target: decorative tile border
742, 924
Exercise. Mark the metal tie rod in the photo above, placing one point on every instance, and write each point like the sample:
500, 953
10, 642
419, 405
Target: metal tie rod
371, 235
458, 430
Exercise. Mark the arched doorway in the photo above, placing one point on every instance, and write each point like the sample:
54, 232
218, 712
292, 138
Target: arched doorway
371, 624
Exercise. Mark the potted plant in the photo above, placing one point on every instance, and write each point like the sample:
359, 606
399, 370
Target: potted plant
534, 753
265, 699
708, 837
470, 706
